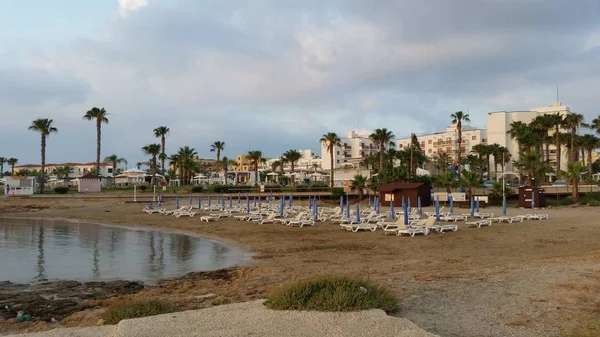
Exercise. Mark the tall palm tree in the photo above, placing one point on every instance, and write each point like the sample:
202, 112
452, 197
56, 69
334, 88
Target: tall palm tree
12, 162
573, 174
98, 115
471, 180
573, 121
187, 163
383, 138
45, 127
459, 118
152, 150
483, 152
162, 132
256, 158
359, 183
595, 124
63, 172
442, 160
224, 164
176, 163
217, 147
590, 143
534, 164
292, 157
2, 162
331, 140
115, 161
557, 121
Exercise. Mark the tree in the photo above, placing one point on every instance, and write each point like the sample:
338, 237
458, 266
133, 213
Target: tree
470, 179
12, 162
590, 143
256, 158
331, 140
595, 124
45, 127
2, 162
98, 115
573, 174
291, 156
217, 147
359, 183
162, 132
501, 156
115, 161
557, 121
224, 164
187, 164
573, 121
383, 138
534, 164
63, 172
152, 150
483, 152
459, 118
441, 161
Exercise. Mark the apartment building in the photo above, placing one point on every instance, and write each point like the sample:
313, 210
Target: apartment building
447, 141
79, 169
242, 163
499, 124
308, 161
354, 149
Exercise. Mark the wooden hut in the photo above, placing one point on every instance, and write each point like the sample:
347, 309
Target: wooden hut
396, 191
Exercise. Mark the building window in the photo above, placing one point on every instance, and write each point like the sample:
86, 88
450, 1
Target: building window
401, 145
338, 153
429, 141
110, 171
337, 161
474, 138
429, 151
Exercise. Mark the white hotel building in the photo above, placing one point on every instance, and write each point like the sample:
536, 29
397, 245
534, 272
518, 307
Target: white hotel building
447, 141
354, 149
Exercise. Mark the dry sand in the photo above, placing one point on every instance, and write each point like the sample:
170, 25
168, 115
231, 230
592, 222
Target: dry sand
537, 278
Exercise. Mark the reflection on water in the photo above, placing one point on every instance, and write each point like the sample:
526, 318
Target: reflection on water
37, 250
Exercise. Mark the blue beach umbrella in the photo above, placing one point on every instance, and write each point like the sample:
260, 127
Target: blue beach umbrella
403, 202
254, 202
309, 202
159, 202
347, 207
419, 205
408, 205
247, 203
451, 204
532, 200
259, 200
376, 205
199, 203
239, 197
316, 210
341, 205
503, 205
281, 206
369, 201
406, 214
223, 203
177, 202
209, 200
191, 201
357, 212
392, 212
477, 205
437, 209
291, 199
472, 207
230, 201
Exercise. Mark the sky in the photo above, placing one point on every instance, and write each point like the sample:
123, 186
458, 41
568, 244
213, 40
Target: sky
274, 75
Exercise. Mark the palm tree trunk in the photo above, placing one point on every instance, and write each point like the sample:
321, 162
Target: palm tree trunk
574, 192
255, 173
153, 169
162, 161
380, 157
558, 150
218, 154
12, 169
589, 161
293, 179
548, 151
42, 174
331, 157
459, 127
573, 148
98, 144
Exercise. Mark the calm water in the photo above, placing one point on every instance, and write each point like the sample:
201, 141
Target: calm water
37, 250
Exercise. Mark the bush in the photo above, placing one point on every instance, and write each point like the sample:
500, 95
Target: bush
592, 199
142, 188
121, 311
337, 192
197, 189
333, 293
61, 190
560, 202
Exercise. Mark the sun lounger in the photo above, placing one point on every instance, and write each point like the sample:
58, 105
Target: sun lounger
301, 223
285, 221
537, 216
355, 227
208, 218
452, 217
509, 219
268, 219
479, 223
402, 229
185, 212
150, 210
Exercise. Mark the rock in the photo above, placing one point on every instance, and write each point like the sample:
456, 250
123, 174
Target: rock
206, 297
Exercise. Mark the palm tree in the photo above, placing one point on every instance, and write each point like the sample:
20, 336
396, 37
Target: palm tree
471, 180
256, 158
590, 143
217, 147
573, 121
98, 115
177, 168
45, 127
162, 132
359, 183
63, 172
595, 124
383, 138
573, 174
557, 121
2, 162
483, 152
331, 141
152, 150
534, 164
187, 163
115, 161
292, 156
12, 162
458, 118
442, 160
224, 164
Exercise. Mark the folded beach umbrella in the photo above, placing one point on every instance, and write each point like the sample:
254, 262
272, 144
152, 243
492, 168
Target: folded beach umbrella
376, 204
472, 207
419, 205
239, 197
199, 203
281, 206
159, 202
369, 201
309, 202
532, 200
177, 202
392, 212
254, 202
503, 205
406, 214
477, 204
191, 201
357, 212
223, 203
347, 207
247, 203
408, 205
230, 201
259, 200
437, 209
316, 210
341, 205
209, 200
451, 204
291, 199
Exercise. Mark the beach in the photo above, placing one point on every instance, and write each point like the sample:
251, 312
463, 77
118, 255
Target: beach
536, 278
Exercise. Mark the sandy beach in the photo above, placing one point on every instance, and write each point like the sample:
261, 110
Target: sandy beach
536, 278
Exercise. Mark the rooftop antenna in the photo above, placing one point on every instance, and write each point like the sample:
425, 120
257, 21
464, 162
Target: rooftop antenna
557, 97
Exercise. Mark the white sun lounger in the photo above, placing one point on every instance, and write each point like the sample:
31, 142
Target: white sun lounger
355, 227
479, 223
208, 218
187, 212
301, 223
268, 219
537, 216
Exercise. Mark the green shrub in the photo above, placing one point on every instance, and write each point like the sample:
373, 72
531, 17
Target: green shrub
337, 192
560, 202
592, 199
61, 190
197, 189
121, 311
142, 188
333, 293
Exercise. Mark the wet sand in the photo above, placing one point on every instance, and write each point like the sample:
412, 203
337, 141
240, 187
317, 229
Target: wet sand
536, 278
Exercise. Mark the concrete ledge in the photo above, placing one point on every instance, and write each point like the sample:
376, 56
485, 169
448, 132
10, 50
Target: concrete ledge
94, 331
254, 319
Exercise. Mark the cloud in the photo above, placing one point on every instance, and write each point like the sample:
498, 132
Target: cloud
274, 75
128, 6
